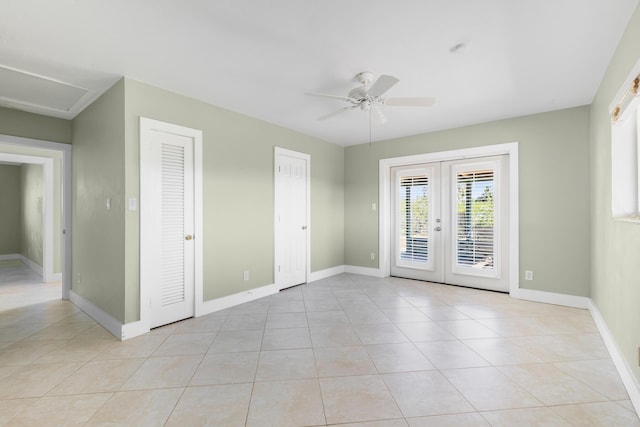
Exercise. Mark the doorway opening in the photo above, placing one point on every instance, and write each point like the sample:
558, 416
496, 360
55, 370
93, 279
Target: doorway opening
45, 241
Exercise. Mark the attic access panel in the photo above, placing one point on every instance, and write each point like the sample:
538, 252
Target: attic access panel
40, 94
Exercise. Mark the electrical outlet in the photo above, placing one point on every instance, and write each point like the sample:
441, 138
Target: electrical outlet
528, 275
245, 275
639, 355
373, 256
79, 278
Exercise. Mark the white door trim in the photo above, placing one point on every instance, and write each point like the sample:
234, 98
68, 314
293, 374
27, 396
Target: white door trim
384, 199
147, 126
65, 149
283, 151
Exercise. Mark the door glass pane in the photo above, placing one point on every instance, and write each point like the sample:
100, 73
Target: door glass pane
413, 234
475, 219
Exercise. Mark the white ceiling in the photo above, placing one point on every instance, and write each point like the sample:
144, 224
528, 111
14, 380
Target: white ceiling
259, 57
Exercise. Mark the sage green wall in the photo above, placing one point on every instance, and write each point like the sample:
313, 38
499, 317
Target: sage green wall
10, 210
554, 200
615, 269
238, 154
98, 173
28, 125
31, 199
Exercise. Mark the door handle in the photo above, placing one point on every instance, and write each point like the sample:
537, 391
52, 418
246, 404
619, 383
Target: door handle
304, 227
188, 237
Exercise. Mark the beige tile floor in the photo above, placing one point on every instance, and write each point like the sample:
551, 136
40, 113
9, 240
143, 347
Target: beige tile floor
349, 350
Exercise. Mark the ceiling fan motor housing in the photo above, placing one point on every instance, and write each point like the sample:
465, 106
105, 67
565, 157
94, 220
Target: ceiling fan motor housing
359, 93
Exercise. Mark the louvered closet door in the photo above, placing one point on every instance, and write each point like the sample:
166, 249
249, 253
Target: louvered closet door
173, 288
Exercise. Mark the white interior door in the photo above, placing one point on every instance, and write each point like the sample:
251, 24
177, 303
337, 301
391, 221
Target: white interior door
450, 222
291, 187
168, 180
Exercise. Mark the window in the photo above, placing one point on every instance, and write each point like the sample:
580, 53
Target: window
475, 214
414, 218
625, 170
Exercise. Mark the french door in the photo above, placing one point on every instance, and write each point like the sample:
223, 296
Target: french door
450, 222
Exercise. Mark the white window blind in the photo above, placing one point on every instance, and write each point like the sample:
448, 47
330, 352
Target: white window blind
475, 209
414, 218
173, 199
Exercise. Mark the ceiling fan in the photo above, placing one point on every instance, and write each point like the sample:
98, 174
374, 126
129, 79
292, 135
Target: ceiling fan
369, 97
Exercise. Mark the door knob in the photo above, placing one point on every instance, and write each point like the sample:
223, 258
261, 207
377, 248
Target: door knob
304, 227
188, 237
438, 228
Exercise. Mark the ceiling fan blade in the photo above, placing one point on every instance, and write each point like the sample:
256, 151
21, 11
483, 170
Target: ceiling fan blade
324, 95
335, 113
377, 117
410, 102
383, 84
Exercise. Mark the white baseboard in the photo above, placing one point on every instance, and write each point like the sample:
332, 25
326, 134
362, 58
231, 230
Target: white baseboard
222, 303
364, 271
32, 265
323, 274
55, 277
99, 315
551, 298
26, 261
134, 329
629, 380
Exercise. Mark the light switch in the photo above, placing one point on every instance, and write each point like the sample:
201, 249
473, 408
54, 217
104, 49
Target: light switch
107, 204
373, 206
133, 204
